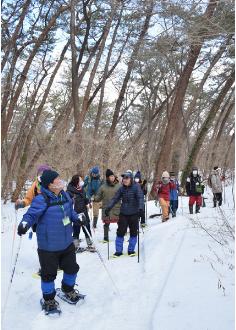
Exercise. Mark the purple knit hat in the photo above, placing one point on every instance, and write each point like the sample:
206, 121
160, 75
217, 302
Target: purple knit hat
42, 168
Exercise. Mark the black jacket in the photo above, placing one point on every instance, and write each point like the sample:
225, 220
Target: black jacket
193, 184
131, 199
79, 198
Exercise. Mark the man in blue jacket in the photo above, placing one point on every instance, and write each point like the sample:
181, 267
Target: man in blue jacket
52, 211
92, 183
132, 205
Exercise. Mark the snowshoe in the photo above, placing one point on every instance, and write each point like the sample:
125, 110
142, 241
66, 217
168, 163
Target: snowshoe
104, 241
91, 248
71, 297
117, 254
50, 307
131, 253
80, 250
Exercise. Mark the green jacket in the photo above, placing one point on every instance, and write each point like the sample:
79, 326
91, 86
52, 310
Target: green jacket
105, 193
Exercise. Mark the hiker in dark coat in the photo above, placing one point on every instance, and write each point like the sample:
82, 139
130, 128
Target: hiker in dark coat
81, 202
132, 204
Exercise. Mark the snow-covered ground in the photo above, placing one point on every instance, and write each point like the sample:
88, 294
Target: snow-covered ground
185, 278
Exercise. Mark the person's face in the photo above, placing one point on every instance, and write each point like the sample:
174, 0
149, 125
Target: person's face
57, 185
80, 183
194, 172
172, 178
126, 180
95, 176
165, 180
111, 178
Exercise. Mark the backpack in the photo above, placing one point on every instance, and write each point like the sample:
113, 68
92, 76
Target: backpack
209, 181
47, 200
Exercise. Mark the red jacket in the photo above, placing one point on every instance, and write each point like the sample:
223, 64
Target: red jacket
163, 190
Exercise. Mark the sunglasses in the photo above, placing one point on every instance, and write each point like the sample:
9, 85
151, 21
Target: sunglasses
126, 177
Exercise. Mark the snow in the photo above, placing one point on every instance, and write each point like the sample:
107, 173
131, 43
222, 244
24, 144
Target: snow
185, 279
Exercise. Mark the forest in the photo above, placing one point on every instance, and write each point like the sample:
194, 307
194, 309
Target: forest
140, 85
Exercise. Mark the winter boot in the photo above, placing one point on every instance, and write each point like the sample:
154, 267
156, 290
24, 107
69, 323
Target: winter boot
191, 209
197, 209
117, 254
71, 294
90, 247
50, 306
95, 220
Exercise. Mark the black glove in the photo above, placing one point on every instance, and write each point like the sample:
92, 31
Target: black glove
22, 228
19, 204
140, 213
107, 211
82, 219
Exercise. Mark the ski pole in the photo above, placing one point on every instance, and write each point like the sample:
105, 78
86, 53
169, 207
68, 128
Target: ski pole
138, 241
108, 248
146, 200
102, 261
12, 275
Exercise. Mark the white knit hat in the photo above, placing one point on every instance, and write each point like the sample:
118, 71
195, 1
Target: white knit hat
165, 174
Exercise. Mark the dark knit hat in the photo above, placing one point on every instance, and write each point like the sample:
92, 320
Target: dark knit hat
109, 172
48, 177
172, 173
138, 175
216, 167
194, 168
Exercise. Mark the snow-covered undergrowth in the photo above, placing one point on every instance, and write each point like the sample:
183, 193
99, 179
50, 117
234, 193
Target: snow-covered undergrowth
184, 280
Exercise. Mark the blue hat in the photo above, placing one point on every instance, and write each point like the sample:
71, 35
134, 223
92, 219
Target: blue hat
138, 175
128, 174
95, 170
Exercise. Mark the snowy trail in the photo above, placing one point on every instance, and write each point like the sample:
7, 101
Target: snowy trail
175, 285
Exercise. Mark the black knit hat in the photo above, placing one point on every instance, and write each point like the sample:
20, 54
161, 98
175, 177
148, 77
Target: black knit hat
48, 177
216, 168
172, 173
108, 173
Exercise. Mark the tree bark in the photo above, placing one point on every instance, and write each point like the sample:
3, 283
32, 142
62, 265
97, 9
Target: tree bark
175, 121
110, 134
205, 127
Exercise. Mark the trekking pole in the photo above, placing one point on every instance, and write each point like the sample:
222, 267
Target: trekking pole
12, 275
108, 247
232, 182
138, 241
103, 263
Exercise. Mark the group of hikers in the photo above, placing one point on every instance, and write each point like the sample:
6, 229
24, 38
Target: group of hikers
57, 216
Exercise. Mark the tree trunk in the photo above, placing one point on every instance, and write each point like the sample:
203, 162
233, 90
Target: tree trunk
175, 123
205, 127
23, 76
110, 134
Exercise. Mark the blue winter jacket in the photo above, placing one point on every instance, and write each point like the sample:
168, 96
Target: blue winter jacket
52, 234
131, 199
91, 185
174, 193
